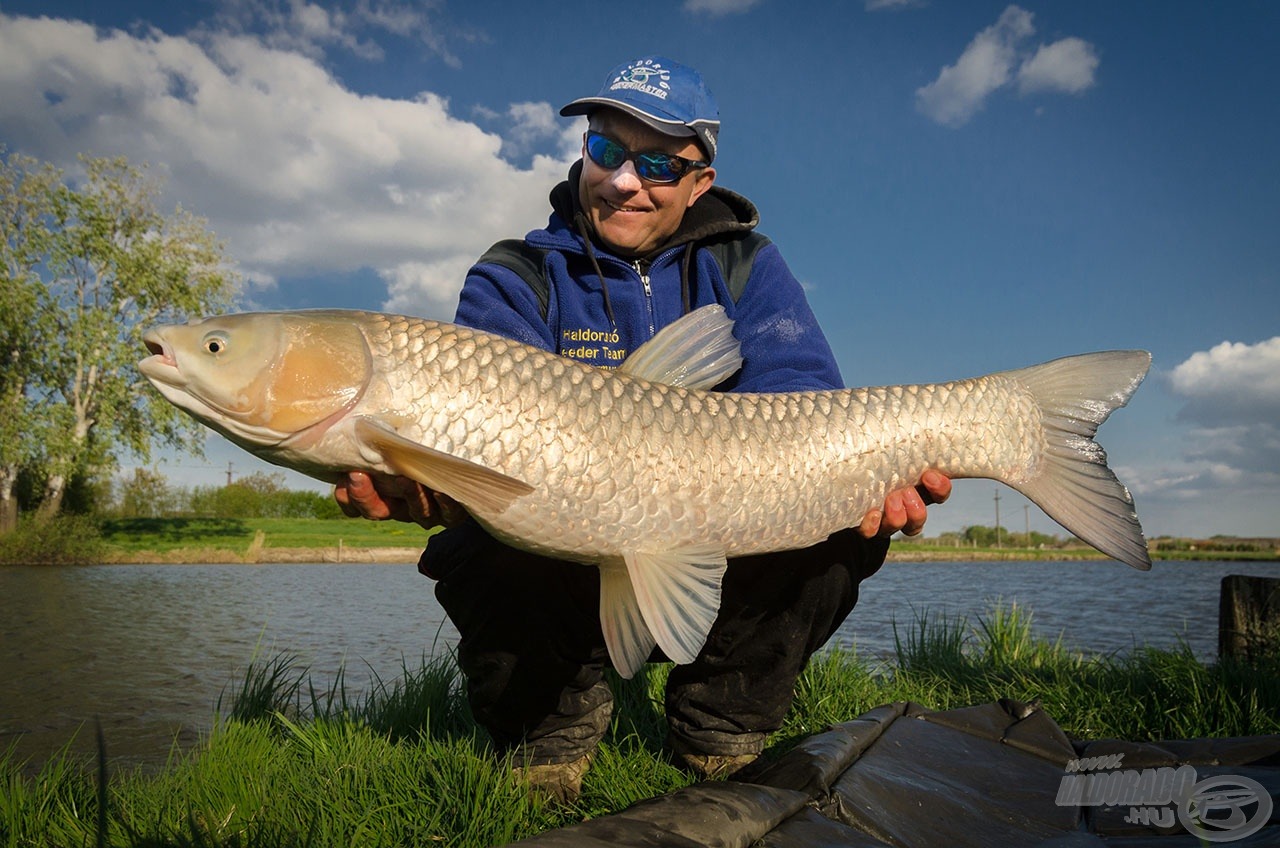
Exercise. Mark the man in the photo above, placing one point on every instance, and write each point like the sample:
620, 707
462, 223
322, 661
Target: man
639, 235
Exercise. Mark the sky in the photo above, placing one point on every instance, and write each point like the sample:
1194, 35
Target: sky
961, 187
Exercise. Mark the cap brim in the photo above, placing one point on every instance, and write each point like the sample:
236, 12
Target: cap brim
665, 125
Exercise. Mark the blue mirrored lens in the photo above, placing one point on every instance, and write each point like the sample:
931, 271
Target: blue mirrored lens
605, 152
654, 167
659, 167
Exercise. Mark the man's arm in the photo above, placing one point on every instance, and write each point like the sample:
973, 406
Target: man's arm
783, 346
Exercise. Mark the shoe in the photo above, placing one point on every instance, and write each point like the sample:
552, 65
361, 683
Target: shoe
712, 766
557, 783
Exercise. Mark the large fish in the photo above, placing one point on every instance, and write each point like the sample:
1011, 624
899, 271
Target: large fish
642, 471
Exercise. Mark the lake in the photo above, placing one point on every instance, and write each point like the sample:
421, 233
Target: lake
146, 649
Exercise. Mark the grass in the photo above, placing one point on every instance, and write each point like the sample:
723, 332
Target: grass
126, 537
405, 764
122, 539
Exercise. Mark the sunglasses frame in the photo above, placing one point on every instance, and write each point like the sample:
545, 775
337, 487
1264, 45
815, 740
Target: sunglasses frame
686, 166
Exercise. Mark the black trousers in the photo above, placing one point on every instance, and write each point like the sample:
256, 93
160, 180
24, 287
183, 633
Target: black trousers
533, 653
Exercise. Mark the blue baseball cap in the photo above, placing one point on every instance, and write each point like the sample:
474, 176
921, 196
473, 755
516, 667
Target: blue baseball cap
666, 95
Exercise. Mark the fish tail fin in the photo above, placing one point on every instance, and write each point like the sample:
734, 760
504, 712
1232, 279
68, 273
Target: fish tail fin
1072, 483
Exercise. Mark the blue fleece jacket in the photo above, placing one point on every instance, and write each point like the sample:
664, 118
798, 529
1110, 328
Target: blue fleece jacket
600, 307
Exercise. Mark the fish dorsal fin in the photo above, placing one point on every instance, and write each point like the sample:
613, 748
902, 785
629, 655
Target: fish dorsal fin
698, 351
474, 486
678, 593
625, 633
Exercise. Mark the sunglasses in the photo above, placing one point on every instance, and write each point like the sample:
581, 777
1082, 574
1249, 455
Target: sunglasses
653, 166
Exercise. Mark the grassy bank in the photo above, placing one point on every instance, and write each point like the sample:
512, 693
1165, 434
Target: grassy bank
404, 763
257, 539
233, 540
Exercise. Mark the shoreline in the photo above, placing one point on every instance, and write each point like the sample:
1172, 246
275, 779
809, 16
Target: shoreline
341, 555
353, 555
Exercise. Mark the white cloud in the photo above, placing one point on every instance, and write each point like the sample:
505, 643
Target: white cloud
532, 124
995, 58
296, 172
894, 5
1230, 384
720, 7
311, 29
1067, 66
1232, 394
411, 285
985, 65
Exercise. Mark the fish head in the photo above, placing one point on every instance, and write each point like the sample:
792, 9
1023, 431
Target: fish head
262, 378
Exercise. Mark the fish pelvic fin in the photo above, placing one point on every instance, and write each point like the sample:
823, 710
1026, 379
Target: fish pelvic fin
474, 486
698, 351
625, 634
1072, 483
677, 593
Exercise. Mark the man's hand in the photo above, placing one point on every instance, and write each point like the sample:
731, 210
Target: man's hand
905, 509
398, 499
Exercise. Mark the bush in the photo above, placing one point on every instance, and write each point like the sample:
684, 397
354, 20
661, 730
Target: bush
67, 540
260, 496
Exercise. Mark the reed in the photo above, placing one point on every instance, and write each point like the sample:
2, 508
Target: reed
288, 764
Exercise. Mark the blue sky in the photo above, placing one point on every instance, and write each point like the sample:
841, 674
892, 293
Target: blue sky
962, 187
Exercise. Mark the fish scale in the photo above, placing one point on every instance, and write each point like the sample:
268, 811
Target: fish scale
654, 441
642, 472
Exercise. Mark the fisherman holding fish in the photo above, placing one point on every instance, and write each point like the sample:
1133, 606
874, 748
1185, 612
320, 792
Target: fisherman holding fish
639, 235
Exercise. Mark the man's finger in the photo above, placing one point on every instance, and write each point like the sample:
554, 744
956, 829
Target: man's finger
870, 526
934, 487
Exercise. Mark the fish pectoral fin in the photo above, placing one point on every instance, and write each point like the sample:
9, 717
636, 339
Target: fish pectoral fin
697, 351
471, 485
625, 634
678, 592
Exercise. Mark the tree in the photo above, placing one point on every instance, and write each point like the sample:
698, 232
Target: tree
108, 265
26, 206
979, 536
147, 495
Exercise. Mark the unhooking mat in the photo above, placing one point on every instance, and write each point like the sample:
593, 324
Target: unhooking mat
1001, 774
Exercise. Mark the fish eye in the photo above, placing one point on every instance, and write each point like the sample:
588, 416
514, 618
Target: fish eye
215, 344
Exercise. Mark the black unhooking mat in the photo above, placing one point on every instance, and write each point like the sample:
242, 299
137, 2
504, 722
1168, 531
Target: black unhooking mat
1000, 774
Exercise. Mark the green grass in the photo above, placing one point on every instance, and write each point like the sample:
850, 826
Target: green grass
122, 537
185, 539
405, 764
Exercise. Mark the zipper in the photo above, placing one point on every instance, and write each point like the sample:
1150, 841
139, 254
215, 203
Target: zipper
648, 295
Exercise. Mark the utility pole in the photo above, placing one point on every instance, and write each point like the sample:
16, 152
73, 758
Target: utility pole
1026, 515
997, 518
228, 473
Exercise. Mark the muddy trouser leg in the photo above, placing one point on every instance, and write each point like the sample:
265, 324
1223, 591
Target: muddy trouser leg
776, 611
531, 648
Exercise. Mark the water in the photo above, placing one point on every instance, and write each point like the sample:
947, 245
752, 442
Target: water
146, 649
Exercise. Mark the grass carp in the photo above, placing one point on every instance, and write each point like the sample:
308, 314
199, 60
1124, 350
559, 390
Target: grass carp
643, 471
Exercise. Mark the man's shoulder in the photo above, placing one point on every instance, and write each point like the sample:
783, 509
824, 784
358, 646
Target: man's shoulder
735, 254
527, 261
516, 254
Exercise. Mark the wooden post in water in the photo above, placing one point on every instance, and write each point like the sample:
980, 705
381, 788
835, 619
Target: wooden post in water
1248, 617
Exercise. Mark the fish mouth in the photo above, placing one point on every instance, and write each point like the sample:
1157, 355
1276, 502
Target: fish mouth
161, 355
161, 364
156, 347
